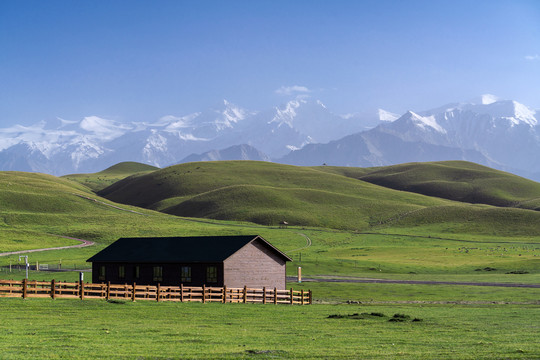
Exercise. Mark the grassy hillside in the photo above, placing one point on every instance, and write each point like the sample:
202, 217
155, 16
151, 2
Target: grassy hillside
265, 193
338, 198
454, 180
432, 238
102, 179
38, 211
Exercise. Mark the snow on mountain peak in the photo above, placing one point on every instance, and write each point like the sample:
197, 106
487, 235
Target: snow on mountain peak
232, 113
487, 99
387, 115
286, 114
103, 127
425, 121
525, 114
512, 111
172, 122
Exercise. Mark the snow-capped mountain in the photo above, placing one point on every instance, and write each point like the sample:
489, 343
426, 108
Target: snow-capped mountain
62, 146
499, 133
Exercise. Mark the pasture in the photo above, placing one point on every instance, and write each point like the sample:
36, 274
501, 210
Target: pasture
404, 236
96, 329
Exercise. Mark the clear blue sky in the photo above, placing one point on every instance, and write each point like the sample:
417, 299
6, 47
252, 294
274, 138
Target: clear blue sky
140, 60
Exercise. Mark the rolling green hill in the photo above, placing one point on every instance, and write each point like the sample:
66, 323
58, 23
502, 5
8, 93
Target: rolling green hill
455, 180
354, 227
338, 198
102, 179
265, 193
38, 211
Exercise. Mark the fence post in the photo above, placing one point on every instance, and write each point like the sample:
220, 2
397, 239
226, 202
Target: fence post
245, 294
108, 295
204, 293
181, 292
302, 296
275, 295
264, 294
81, 289
133, 292
224, 294
292, 297
158, 290
53, 290
24, 288
310, 298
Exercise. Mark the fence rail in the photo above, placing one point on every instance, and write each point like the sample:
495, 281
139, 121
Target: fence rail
80, 290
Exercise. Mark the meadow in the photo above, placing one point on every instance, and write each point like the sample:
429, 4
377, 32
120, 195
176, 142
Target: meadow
61, 329
369, 232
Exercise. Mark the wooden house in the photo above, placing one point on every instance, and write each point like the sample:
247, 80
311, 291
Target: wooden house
232, 261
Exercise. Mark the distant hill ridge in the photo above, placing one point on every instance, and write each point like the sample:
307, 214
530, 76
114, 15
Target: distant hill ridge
455, 180
338, 197
100, 180
128, 167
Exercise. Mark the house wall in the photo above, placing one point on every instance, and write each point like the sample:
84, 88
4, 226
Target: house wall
171, 274
256, 266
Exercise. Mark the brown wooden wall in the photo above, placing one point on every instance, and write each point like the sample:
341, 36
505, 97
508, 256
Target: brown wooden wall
254, 265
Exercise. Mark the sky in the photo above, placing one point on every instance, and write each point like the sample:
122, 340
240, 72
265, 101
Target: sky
141, 60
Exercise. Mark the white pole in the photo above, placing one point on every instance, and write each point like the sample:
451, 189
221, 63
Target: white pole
26, 263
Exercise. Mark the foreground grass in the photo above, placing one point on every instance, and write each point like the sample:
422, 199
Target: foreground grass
96, 329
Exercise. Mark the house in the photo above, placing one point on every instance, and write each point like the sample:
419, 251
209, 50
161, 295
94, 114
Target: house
232, 261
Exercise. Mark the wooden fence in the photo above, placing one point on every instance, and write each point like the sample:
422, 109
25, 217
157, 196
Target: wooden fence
204, 294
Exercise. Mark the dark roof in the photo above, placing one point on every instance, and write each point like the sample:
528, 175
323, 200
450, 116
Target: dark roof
177, 249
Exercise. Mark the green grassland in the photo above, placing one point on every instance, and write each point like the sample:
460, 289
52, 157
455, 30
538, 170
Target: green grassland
109, 176
454, 180
96, 329
428, 237
356, 230
267, 193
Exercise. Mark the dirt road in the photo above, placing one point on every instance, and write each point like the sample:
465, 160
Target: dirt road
84, 243
415, 282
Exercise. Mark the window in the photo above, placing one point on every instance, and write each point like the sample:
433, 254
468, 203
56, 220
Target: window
211, 274
121, 272
136, 272
102, 273
158, 273
185, 274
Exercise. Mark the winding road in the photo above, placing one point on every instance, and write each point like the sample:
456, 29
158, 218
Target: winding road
84, 243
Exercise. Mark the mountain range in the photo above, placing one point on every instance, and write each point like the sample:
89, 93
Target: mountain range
503, 134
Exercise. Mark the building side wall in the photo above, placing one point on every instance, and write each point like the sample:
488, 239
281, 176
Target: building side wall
171, 274
256, 266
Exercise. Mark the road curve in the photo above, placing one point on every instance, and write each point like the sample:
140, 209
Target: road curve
84, 243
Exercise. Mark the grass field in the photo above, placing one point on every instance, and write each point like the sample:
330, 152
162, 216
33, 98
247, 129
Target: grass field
454, 180
355, 229
96, 329
338, 198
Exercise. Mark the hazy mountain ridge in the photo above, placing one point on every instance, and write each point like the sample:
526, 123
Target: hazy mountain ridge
503, 134
236, 152
60, 146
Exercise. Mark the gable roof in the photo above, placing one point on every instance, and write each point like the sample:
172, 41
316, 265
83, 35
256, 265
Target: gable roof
178, 249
